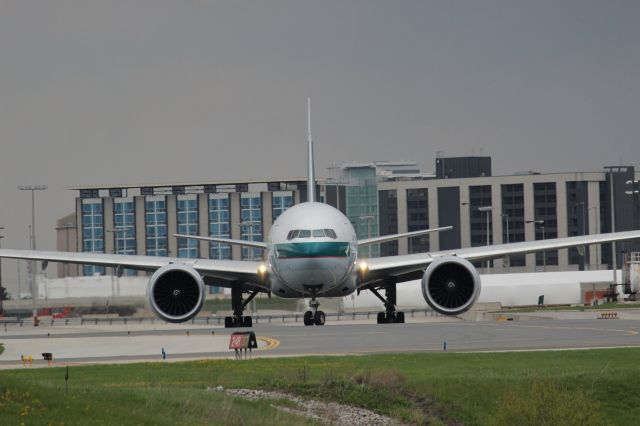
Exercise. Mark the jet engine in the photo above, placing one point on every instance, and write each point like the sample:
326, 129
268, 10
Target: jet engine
451, 285
176, 292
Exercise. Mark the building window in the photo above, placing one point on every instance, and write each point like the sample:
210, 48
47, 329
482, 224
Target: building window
281, 201
156, 226
388, 211
219, 225
546, 223
251, 224
92, 232
513, 219
418, 218
577, 219
361, 201
480, 196
187, 209
124, 232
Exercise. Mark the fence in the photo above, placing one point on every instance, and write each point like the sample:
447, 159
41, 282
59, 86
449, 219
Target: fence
210, 320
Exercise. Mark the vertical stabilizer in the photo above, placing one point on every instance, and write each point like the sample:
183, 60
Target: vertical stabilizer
311, 174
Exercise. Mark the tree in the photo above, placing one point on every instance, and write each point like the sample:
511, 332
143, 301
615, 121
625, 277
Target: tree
4, 294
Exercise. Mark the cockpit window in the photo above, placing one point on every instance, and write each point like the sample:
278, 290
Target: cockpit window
304, 233
316, 233
330, 233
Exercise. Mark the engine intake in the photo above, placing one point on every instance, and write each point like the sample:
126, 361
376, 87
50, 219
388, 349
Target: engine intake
176, 293
451, 285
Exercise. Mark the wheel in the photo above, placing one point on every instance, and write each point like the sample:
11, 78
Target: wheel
228, 322
247, 322
400, 317
318, 318
308, 318
381, 318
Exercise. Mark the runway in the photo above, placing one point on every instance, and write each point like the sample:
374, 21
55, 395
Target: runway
117, 344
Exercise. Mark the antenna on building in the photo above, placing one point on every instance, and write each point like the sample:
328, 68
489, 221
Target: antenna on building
311, 175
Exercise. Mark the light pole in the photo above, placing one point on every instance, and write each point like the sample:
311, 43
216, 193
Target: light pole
488, 210
544, 237
1, 290
33, 268
584, 232
596, 221
506, 218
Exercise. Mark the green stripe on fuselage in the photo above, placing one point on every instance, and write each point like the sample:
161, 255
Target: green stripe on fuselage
312, 249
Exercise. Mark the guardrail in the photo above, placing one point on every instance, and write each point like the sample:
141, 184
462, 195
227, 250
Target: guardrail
210, 320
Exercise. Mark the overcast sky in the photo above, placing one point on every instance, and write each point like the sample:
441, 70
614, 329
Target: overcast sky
164, 91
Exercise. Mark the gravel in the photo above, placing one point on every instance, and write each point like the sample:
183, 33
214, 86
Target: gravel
326, 412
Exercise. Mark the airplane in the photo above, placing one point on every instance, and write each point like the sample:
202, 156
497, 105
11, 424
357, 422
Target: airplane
312, 251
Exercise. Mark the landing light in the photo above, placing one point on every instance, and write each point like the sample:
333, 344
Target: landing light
363, 267
262, 269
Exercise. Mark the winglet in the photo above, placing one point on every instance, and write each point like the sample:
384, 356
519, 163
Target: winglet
311, 174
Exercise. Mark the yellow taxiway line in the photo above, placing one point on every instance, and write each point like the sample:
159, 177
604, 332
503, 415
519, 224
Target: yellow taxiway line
271, 343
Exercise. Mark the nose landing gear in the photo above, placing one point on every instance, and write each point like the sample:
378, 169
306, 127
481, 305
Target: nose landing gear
314, 316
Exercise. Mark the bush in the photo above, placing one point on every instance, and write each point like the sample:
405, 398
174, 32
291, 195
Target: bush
546, 403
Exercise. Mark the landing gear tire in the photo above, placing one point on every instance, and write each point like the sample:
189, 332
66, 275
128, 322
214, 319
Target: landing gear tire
318, 318
247, 322
308, 318
228, 322
390, 318
232, 322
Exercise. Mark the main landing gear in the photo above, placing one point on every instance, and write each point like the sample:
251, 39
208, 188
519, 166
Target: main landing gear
238, 320
390, 315
314, 316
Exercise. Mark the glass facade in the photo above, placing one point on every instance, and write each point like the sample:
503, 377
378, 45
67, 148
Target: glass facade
577, 217
124, 224
92, 232
251, 224
187, 212
480, 196
219, 225
156, 226
418, 218
388, 206
546, 226
362, 204
513, 219
280, 202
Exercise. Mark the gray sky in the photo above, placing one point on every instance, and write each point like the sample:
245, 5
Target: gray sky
140, 91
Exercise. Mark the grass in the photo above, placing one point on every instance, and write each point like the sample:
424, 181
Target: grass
603, 306
600, 386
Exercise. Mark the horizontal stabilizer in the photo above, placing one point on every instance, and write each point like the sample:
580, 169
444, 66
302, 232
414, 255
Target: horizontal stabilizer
385, 238
245, 243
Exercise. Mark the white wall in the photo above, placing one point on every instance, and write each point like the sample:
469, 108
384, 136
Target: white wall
98, 286
508, 289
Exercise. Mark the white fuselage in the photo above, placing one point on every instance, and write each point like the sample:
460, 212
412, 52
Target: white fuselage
312, 248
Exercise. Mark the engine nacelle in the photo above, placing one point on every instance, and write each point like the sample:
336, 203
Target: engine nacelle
176, 292
451, 285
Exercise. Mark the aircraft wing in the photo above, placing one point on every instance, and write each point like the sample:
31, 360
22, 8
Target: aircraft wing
385, 238
223, 273
246, 243
411, 267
